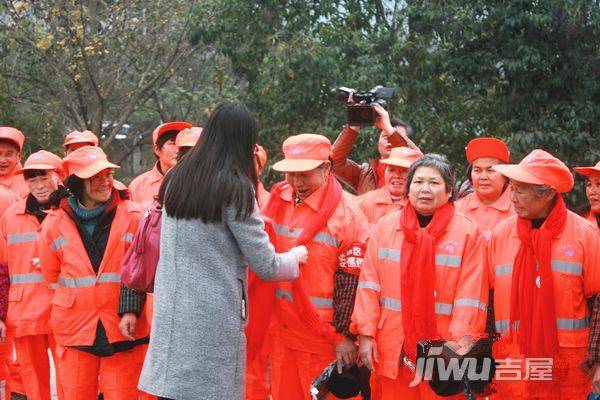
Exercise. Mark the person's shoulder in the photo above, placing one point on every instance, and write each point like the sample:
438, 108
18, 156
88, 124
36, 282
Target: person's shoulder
582, 224
505, 227
371, 195
17, 207
351, 206
460, 219
139, 179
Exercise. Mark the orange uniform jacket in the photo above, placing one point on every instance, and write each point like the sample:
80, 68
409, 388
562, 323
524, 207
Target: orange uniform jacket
7, 198
378, 203
461, 287
29, 296
15, 182
83, 297
145, 186
346, 227
486, 216
592, 217
576, 276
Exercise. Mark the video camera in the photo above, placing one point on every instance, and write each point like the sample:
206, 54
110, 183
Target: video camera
359, 104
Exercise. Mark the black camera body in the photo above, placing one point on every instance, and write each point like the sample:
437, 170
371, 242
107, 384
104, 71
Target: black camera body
359, 104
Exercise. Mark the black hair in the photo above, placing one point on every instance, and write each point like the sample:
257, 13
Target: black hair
75, 185
398, 122
165, 137
441, 164
32, 173
182, 152
219, 171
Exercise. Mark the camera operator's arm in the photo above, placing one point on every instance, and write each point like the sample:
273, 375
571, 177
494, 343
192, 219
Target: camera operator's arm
397, 137
346, 170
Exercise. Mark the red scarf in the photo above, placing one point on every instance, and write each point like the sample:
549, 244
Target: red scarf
329, 203
260, 306
417, 266
532, 294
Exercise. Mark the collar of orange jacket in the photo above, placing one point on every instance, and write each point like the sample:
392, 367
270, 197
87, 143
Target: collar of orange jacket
313, 200
502, 204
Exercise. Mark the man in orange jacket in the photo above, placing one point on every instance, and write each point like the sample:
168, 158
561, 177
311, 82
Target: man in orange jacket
144, 187
11, 146
379, 202
312, 314
369, 176
543, 263
81, 246
28, 317
77, 139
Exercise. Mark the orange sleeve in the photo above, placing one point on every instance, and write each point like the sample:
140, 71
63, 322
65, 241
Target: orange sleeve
3, 242
366, 306
49, 258
591, 264
469, 313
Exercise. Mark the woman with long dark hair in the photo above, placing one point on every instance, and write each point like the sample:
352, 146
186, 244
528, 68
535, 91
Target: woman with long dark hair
211, 232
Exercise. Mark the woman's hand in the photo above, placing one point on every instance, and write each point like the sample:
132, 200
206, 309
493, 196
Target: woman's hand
367, 348
301, 252
345, 354
383, 122
596, 380
127, 326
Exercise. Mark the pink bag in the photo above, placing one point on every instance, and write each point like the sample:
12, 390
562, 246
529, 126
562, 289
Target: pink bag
138, 268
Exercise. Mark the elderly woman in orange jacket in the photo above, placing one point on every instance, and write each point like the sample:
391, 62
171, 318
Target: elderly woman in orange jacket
544, 264
81, 246
421, 279
592, 191
489, 203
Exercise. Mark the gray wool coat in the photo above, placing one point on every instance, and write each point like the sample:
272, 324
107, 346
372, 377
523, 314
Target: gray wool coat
197, 346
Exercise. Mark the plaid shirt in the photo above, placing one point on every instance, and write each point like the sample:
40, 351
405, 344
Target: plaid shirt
344, 292
594, 343
131, 301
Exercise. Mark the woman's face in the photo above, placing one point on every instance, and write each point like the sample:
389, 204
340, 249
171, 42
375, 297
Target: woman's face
592, 191
428, 191
488, 184
395, 179
42, 186
98, 188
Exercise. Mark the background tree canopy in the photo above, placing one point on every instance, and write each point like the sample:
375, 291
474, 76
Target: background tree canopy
525, 71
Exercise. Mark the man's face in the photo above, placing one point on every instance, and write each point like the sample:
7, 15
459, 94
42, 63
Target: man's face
9, 157
527, 203
42, 186
307, 182
395, 179
167, 155
592, 191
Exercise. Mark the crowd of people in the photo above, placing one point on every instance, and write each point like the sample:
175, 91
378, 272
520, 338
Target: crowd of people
257, 291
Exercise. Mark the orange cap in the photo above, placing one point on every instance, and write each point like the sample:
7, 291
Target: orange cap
86, 162
303, 153
402, 157
81, 137
188, 137
169, 126
12, 134
587, 171
42, 160
487, 147
261, 155
539, 168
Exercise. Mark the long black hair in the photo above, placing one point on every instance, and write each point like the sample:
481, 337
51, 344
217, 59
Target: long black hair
219, 170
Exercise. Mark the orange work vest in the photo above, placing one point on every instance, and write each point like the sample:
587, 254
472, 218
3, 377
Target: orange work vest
346, 227
145, 186
461, 287
378, 203
15, 182
29, 295
576, 276
486, 216
83, 297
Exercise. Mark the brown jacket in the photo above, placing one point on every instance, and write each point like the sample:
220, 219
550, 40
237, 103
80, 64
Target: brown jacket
361, 177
